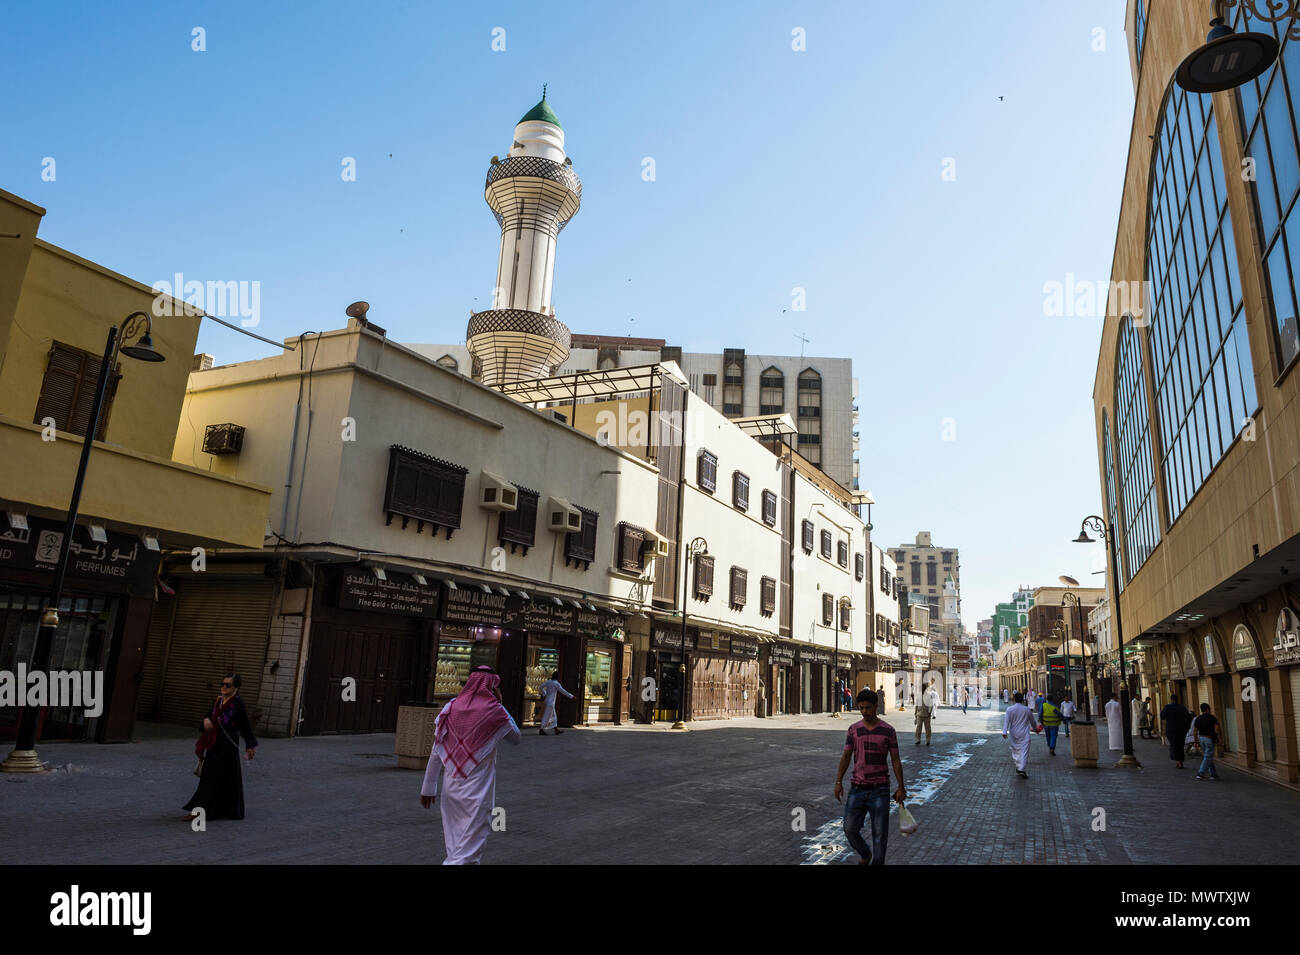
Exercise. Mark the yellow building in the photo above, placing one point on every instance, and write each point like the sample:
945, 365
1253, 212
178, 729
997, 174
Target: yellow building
56, 310
1198, 427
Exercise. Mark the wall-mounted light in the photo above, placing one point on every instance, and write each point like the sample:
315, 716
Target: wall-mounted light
17, 520
98, 534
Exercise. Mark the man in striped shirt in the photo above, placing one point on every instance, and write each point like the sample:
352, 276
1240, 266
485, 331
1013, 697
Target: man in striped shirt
870, 743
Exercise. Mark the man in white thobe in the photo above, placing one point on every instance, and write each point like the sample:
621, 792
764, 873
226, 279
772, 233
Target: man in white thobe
466, 735
1115, 723
1017, 723
549, 690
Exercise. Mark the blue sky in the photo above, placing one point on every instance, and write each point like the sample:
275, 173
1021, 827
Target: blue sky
774, 169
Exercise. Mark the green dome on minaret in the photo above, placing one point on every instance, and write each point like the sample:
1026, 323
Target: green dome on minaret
543, 112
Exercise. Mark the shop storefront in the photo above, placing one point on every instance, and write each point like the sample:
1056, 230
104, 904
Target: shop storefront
470, 633
370, 643
1286, 657
546, 631
783, 680
606, 664
815, 664
104, 618
1258, 703
724, 676
664, 667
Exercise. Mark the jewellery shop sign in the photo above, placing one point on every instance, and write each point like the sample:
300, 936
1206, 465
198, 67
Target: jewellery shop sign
362, 591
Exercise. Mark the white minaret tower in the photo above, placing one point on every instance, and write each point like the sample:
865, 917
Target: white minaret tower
533, 193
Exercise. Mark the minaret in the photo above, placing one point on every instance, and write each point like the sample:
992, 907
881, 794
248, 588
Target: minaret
533, 193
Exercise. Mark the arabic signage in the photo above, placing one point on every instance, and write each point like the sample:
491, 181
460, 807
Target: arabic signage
122, 559
670, 638
1286, 640
470, 605
363, 591
541, 616
1244, 654
744, 648
810, 655
601, 625
780, 654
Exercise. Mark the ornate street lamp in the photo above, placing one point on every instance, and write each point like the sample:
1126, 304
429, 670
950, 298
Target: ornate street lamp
1097, 524
23, 759
1229, 59
697, 548
1071, 597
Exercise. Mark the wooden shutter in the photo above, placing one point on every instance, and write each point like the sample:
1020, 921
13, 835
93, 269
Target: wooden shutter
703, 576
68, 391
859, 566
631, 548
842, 554
425, 489
740, 490
769, 508
844, 616
706, 471
828, 610
580, 547
808, 536
826, 544
519, 527
739, 584
767, 595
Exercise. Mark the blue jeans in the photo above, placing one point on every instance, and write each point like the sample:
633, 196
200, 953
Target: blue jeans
860, 801
1050, 732
1067, 720
1207, 761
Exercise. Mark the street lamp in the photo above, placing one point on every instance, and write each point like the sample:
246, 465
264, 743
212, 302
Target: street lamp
1229, 59
1108, 533
23, 758
1070, 597
697, 548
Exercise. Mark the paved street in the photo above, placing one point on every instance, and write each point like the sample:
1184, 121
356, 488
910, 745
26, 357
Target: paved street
726, 792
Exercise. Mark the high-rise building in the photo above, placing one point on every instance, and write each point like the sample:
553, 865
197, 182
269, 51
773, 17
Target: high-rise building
1194, 397
924, 567
1011, 616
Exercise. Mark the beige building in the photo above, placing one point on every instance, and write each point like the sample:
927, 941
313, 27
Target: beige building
1198, 427
924, 567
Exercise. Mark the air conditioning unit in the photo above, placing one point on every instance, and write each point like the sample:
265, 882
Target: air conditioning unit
497, 494
223, 439
563, 517
660, 546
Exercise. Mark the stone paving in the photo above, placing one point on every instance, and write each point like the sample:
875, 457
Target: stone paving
725, 792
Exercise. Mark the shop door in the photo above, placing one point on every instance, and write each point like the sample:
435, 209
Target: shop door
625, 685
382, 660
670, 690
1230, 716
1265, 740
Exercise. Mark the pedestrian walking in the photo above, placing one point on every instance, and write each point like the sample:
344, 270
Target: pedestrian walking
931, 699
550, 690
1038, 707
1135, 711
1018, 723
220, 793
1145, 725
1030, 698
880, 695
465, 739
1051, 723
922, 720
846, 698
965, 698
1206, 727
1176, 719
1067, 714
870, 743
1115, 722
979, 697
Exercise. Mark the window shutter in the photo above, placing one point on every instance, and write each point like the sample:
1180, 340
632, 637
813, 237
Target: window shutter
826, 544
703, 576
518, 528
859, 566
842, 554
739, 584
631, 548
706, 471
740, 490
769, 508
767, 595
424, 488
581, 547
808, 536
844, 616
828, 610
68, 391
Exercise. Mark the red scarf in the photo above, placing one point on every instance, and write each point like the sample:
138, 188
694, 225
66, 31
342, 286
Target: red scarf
209, 737
470, 722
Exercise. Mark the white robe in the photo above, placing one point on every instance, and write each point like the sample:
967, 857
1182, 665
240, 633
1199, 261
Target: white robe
1018, 722
549, 690
1115, 724
467, 803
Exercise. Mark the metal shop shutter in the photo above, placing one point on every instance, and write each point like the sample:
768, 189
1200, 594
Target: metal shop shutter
221, 625
153, 651
1294, 673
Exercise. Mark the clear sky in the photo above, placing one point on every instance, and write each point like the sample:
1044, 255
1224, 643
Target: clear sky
774, 169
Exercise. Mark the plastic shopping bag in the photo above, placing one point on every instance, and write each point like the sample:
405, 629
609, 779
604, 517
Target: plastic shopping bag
907, 823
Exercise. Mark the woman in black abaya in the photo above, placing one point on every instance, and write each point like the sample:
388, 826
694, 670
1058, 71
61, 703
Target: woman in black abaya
221, 786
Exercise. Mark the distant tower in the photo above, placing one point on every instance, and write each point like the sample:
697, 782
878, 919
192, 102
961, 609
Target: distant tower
533, 193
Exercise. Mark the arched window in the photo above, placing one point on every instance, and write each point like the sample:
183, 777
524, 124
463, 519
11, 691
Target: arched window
1141, 529
447, 361
810, 415
1112, 512
1200, 356
1269, 107
771, 391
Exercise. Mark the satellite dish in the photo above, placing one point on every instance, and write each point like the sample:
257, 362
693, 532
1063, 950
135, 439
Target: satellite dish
358, 310
1068, 581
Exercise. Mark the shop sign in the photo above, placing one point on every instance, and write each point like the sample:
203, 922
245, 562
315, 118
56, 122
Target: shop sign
1209, 650
1190, 667
1244, 654
744, 648
1286, 639
540, 617
1175, 663
122, 559
670, 638
365, 591
780, 654
599, 625
843, 662
470, 605
809, 655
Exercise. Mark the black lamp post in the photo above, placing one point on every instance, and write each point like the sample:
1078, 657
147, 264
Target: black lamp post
1097, 524
1073, 598
698, 547
23, 759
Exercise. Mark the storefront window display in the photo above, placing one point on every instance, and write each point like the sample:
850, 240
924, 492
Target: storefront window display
461, 649
542, 662
599, 667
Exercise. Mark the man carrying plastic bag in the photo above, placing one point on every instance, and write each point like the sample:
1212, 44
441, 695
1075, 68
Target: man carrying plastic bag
871, 743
